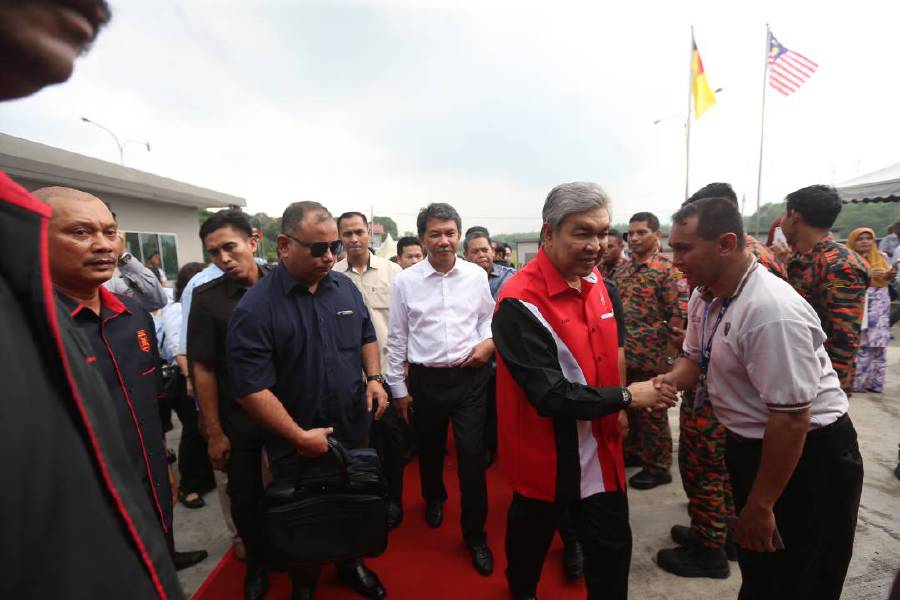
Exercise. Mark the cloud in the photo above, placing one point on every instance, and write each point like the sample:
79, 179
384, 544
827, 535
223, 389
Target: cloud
483, 105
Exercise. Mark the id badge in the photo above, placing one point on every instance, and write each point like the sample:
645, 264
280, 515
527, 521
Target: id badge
701, 395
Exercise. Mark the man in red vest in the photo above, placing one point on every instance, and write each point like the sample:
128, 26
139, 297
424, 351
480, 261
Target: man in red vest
559, 394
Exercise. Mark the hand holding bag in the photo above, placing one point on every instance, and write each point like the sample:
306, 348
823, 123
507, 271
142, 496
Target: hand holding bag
336, 510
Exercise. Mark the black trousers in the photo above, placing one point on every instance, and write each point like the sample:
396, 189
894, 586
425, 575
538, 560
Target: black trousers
816, 516
457, 395
603, 530
194, 469
245, 486
390, 438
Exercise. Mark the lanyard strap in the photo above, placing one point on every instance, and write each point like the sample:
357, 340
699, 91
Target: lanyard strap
706, 346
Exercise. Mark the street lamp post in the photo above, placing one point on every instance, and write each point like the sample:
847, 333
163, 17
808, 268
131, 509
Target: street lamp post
686, 123
119, 145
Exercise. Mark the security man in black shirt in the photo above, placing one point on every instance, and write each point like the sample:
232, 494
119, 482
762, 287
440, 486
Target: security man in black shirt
298, 343
83, 247
234, 441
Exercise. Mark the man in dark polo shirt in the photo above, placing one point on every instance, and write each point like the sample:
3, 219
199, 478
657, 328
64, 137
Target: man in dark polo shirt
83, 242
66, 473
298, 343
234, 441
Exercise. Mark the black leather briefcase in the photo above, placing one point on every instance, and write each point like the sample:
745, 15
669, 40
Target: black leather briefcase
336, 510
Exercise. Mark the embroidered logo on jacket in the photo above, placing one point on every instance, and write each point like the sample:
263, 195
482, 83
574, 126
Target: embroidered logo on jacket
143, 340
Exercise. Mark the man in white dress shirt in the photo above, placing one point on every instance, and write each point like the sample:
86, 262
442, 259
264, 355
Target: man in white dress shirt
754, 349
440, 325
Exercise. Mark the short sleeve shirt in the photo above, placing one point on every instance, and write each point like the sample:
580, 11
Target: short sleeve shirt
211, 308
651, 292
767, 355
306, 349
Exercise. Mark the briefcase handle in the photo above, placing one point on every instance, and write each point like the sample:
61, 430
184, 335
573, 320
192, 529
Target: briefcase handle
341, 456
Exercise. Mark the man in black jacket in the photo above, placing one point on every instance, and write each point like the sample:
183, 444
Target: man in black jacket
71, 486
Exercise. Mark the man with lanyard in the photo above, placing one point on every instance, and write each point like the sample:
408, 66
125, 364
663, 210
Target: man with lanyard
655, 298
373, 277
298, 345
122, 336
559, 392
755, 349
234, 441
706, 546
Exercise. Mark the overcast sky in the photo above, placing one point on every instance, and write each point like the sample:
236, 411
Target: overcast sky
484, 105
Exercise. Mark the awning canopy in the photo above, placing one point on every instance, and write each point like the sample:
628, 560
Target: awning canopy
882, 185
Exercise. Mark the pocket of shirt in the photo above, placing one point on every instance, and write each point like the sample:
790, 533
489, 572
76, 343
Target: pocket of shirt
348, 330
379, 298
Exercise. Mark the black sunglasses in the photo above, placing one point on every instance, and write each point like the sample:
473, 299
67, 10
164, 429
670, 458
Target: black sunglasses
318, 249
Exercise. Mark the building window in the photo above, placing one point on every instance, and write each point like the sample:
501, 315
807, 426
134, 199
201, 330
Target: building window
142, 245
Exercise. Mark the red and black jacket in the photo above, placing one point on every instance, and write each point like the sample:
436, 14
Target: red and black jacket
75, 518
558, 384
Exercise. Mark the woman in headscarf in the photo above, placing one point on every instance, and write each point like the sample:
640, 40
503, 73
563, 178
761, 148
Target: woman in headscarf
876, 328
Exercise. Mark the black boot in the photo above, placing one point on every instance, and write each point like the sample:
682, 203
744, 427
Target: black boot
256, 582
645, 480
694, 560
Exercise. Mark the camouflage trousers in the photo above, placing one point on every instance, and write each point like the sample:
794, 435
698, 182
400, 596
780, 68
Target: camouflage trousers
701, 460
649, 435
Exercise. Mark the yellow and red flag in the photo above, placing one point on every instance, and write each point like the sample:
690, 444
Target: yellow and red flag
703, 95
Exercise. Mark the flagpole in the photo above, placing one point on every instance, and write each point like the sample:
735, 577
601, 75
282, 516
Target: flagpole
762, 126
687, 122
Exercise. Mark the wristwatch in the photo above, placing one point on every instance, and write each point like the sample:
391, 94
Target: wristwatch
626, 396
670, 360
126, 256
376, 377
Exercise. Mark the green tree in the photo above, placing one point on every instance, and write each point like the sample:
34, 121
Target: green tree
389, 225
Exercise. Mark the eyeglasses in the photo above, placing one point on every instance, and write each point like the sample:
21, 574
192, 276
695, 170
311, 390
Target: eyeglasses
318, 249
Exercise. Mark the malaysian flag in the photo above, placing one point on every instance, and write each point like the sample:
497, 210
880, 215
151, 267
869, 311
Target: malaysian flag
787, 69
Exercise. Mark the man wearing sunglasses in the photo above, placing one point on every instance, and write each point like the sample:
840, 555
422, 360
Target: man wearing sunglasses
298, 343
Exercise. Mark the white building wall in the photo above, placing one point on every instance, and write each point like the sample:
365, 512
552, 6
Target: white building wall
150, 216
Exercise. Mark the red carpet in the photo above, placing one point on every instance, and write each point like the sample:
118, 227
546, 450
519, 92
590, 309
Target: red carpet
420, 562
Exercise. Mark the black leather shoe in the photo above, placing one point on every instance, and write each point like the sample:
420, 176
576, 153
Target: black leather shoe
645, 480
183, 560
573, 561
394, 514
256, 583
482, 559
694, 561
362, 580
434, 514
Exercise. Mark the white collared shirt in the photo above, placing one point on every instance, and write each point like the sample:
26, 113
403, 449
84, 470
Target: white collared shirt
374, 283
436, 318
767, 356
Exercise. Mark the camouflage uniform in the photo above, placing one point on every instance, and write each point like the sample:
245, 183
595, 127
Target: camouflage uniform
651, 292
766, 257
609, 271
834, 279
701, 461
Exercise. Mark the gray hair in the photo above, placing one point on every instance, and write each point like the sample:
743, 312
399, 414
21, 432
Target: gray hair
439, 211
295, 213
570, 199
